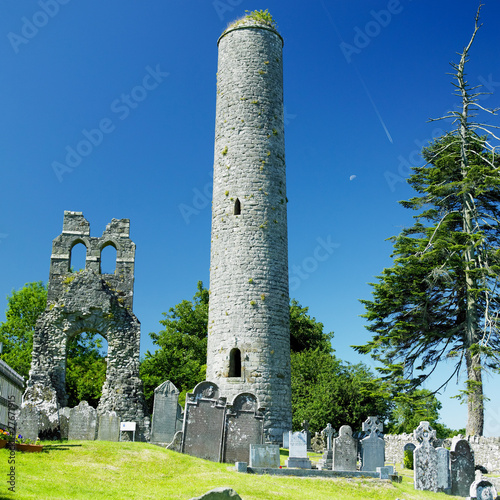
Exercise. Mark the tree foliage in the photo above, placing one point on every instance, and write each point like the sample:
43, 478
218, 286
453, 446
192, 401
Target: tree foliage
327, 390
439, 301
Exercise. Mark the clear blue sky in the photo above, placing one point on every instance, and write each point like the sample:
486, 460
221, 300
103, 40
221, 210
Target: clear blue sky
356, 118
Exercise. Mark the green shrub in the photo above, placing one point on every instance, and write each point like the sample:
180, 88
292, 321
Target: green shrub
408, 459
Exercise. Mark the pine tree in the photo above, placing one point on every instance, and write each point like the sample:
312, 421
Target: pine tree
440, 299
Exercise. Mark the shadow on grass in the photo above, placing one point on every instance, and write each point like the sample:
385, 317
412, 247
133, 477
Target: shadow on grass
59, 447
284, 452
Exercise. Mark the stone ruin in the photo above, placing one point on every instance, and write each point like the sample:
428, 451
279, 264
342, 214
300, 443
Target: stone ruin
88, 301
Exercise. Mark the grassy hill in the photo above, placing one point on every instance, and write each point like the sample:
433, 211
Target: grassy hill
120, 471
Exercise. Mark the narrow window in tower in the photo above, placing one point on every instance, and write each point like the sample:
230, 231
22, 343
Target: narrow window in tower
235, 363
237, 207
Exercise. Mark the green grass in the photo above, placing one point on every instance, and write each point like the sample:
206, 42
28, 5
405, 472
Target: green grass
119, 471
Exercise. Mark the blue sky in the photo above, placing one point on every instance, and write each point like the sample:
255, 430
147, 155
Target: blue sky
361, 80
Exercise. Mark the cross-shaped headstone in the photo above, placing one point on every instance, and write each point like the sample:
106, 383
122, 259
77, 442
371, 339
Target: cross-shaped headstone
373, 425
424, 434
305, 425
328, 431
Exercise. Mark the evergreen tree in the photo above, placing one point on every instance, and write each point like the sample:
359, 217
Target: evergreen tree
440, 300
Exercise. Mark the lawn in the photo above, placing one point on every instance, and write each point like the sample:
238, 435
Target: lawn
119, 471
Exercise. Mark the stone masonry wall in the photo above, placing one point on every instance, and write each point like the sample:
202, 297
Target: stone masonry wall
486, 449
248, 308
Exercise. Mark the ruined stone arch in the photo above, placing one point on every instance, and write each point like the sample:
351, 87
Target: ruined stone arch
88, 301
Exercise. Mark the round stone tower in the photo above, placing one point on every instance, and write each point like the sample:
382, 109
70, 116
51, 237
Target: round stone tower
248, 322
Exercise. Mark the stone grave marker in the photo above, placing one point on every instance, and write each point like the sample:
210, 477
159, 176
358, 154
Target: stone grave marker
286, 441
180, 418
326, 462
82, 422
425, 458
318, 443
345, 450
28, 422
64, 421
204, 422
305, 430
373, 445
243, 427
176, 444
443, 471
165, 413
409, 447
109, 427
265, 456
462, 467
298, 451
482, 489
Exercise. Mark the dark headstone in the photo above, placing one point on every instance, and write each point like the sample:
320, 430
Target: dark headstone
28, 422
462, 467
165, 413
204, 422
109, 427
345, 450
64, 421
305, 430
425, 458
373, 445
82, 422
244, 426
443, 471
409, 447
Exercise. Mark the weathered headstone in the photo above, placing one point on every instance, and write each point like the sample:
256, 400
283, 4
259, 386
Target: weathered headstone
286, 441
64, 421
222, 493
176, 444
373, 445
244, 426
409, 447
425, 458
318, 443
326, 461
345, 450
482, 489
305, 430
28, 422
462, 467
204, 422
265, 456
298, 451
82, 422
385, 472
443, 471
165, 412
180, 418
109, 427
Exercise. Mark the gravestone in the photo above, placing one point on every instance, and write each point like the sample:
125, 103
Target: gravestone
305, 430
109, 427
373, 445
386, 472
64, 421
180, 418
482, 489
443, 471
286, 441
204, 422
165, 413
176, 444
409, 447
82, 422
462, 467
425, 458
243, 427
265, 455
345, 450
28, 422
297, 456
318, 443
326, 462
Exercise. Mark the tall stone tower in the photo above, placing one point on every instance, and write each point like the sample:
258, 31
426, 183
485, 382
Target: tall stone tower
248, 325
